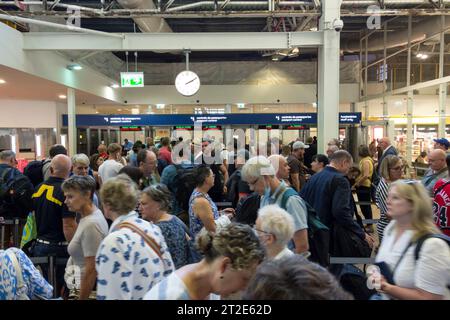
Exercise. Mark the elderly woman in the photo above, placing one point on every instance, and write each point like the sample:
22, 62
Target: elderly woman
80, 167
203, 211
391, 170
416, 262
91, 230
275, 228
231, 256
154, 207
134, 255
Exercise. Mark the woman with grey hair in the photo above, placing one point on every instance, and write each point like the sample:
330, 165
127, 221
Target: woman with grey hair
155, 203
275, 228
80, 167
91, 230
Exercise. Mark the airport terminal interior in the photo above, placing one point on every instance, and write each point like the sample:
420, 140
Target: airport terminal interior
211, 150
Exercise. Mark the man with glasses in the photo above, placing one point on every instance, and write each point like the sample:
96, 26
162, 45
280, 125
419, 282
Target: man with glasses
147, 163
259, 173
437, 170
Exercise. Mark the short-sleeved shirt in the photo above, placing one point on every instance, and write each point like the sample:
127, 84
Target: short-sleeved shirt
172, 288
441, 206
431, 272
165, 154
294, 164
430, 178
294, 206
50, 209
109, 169
90, 232
175, 234
127, 267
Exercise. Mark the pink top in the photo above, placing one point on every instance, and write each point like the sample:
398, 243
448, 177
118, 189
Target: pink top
165, 154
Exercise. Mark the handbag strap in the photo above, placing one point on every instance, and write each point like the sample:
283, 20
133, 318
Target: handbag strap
401, 258
18, 269
148, 240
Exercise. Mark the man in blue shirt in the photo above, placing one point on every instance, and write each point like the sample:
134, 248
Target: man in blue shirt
260, 175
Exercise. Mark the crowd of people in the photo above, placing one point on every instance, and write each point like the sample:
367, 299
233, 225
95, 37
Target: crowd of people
144, 221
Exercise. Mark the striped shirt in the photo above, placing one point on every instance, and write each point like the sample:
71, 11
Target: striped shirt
381, 197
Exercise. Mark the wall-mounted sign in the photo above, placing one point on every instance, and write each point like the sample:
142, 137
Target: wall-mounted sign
269, 126
131, 79
205, 128
185, 128
288, 119
295, 127
130, 128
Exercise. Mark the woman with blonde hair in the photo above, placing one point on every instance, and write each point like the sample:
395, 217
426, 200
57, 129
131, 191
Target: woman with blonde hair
134, 255
414, 261
231, 256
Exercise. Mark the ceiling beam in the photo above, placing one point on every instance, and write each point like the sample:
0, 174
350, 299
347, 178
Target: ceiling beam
207, 41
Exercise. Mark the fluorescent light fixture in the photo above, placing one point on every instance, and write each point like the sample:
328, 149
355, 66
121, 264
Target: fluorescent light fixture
424, 56
63, 140
295, 50
419, 55
314, 104
135, 111
38, 145
160, 106
74, 66
115, 86
275, 59
2, 81
62, 96
241, 105
13, 143
313, 29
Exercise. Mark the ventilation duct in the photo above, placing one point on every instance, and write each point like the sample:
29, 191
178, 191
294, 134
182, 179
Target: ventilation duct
150, 24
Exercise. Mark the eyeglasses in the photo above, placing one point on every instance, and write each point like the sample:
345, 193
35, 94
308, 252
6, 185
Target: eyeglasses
397, 168
254, 182
258, 231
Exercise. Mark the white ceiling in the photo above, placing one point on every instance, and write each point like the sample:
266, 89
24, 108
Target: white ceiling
22, 86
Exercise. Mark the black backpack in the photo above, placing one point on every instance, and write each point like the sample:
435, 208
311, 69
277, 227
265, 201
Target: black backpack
185, 185
318, 233
247, 209
16, 191
34, 171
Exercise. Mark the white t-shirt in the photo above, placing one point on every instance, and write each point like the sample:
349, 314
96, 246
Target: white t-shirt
172, 288
283, 254
431, 272
109, 169
90, 232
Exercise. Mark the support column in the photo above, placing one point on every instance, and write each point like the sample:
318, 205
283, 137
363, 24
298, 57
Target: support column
72, 127
442, 86
328, 76
410, 100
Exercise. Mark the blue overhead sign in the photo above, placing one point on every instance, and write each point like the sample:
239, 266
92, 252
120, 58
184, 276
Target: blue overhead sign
209, 119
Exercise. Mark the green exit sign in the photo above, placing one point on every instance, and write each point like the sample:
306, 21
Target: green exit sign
131, 79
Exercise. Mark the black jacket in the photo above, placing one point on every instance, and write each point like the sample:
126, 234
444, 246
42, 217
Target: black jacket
329, 193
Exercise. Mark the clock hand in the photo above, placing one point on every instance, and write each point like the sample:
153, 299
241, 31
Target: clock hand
191, 80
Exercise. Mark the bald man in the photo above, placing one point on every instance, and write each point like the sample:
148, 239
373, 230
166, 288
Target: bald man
388, 149
56, 225
437, 170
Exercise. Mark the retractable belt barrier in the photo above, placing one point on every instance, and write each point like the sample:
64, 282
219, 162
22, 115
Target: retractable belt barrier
351, 260
51, 262
16, 222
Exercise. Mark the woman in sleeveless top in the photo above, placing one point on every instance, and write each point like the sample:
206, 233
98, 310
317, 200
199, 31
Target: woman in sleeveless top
203, 211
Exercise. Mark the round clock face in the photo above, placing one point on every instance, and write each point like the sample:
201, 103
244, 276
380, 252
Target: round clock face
187, 83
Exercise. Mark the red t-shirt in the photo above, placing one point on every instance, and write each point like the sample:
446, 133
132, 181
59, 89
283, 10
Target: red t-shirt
441, 206
165, 154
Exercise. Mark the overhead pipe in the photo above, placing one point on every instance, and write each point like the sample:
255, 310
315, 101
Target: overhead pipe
149, 24
59, 26
427, 29
366, 3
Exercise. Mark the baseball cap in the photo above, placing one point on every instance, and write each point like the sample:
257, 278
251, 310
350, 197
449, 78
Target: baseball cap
443, 141
299, 145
